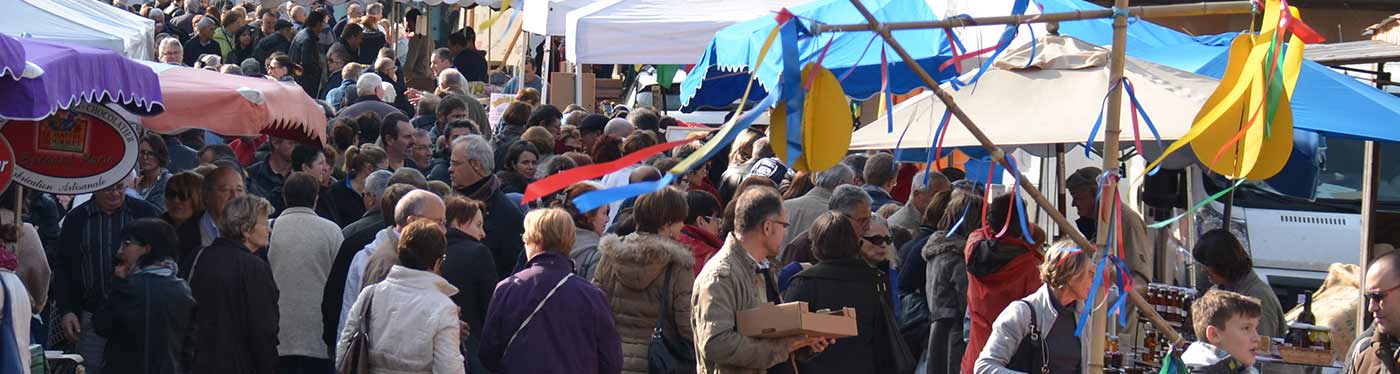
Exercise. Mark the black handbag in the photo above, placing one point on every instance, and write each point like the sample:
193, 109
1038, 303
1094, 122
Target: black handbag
1031, 356
356, 360
668, 353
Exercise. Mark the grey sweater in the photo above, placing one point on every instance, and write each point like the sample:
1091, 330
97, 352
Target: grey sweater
301, 251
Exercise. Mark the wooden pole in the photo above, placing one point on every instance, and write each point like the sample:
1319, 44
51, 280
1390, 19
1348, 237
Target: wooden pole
505, 58
999, 157
1369, 181
1111, 131
1177, 10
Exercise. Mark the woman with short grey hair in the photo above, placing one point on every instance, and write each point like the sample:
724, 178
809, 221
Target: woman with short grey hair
237, 316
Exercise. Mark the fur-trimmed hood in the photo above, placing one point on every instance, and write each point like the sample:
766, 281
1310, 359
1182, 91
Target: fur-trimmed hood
638, 259
941, 243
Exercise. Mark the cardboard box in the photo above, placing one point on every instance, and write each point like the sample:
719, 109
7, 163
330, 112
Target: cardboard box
562, 88
794, 318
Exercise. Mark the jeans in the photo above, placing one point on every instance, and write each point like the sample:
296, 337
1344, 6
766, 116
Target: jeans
90, 345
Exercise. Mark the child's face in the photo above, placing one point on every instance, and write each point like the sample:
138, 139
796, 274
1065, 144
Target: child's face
1239, 338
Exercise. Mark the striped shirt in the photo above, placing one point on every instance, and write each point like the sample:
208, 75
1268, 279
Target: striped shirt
89, 241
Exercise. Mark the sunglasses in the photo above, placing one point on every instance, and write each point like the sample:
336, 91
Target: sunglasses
1380, 295
879, 240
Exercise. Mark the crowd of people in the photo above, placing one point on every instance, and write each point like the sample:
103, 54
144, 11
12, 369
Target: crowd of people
403, 245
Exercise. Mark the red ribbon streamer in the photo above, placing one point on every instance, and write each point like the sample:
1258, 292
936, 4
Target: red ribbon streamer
558, 182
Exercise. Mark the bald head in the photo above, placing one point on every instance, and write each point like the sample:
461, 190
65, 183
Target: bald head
419, 204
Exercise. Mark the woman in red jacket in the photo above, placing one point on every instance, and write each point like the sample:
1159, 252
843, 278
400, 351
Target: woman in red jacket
701, 231
1000, 268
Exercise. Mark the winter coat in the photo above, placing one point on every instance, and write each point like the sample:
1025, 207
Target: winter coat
20, 314
386, 240
1203, 358
1000, 271
1014, 324
356, 235
236, 320
413, 324
1271, 323
469, 267
632, 273
853, 283
504, 222
33, 261
301, 252
703, 244
574, 333
907, 218
305, 52
802, 211
1372, 353
878, 197
946, 276
585, 253
146, 321
728, 284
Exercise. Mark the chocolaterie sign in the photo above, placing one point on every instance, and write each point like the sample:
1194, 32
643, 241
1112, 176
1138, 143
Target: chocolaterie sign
80, 150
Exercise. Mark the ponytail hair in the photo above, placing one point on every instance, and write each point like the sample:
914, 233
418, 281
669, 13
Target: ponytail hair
361, 157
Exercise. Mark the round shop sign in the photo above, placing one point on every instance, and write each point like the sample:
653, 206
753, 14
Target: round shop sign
76, 151
7, 163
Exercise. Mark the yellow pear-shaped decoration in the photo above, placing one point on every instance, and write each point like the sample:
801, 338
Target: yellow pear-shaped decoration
826, 123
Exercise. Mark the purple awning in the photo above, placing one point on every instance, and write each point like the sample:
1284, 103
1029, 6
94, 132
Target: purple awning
11, 57
72, 74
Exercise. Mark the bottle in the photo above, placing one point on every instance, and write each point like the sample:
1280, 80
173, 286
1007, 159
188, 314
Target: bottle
1306, 316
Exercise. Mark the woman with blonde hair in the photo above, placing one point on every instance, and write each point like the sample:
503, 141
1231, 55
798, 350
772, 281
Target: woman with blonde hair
545, 319
1051, 314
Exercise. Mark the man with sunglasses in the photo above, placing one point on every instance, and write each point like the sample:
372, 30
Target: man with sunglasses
848, 199
1374, 352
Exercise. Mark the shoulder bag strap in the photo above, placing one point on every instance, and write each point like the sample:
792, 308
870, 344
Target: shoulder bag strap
365, 313
665, 301
1038, 338
537, 310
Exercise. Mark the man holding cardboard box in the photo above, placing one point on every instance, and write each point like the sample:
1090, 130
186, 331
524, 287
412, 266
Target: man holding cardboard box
737, 280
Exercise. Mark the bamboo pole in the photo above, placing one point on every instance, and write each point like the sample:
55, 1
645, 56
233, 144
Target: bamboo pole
1112, 130
1176, 10
999, 157
510, 48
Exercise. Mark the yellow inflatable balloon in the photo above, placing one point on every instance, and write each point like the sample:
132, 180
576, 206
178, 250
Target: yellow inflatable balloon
1242, 100
826, 123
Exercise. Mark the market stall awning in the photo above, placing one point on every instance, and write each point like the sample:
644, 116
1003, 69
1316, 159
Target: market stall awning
233, 105
547, 17
11, 57
81, 22
1324, 101
64, 75
1357, 52
656, 31
719, 78
1068, 78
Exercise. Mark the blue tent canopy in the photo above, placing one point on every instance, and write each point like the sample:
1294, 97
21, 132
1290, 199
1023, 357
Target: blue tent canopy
1325, 101
719, 78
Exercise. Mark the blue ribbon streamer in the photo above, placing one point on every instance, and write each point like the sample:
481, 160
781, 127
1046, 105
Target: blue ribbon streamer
933, 146
1007, 35
963, 217
595, 199
792, 85
1093, 133
1020, 206
1118, 307
1089, 302
592, 200
889, 96
1142, 112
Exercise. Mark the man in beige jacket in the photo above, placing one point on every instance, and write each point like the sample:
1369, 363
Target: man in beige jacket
737, 281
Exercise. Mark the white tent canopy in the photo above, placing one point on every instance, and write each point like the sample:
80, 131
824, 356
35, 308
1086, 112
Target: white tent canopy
655, 31
1054, 101
81, 22
546, 17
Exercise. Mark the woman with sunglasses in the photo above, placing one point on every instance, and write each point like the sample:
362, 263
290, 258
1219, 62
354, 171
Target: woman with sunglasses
702, 224
844, 277
1228, 267
147, 317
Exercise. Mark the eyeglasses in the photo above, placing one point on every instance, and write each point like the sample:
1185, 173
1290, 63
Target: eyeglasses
1378, 296
132, 242
879, 240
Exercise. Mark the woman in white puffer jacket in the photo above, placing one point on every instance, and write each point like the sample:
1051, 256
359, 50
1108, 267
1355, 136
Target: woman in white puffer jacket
413, 324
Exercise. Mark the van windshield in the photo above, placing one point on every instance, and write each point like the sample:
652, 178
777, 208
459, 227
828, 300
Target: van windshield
1337, 187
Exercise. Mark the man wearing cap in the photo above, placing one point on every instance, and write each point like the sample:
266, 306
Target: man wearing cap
278, 41
590, 129
1137, 248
